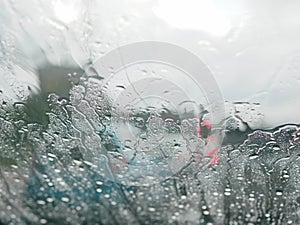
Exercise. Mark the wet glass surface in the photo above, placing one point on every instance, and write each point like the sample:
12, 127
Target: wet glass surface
124, 113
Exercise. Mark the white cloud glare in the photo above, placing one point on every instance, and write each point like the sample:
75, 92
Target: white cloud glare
202, 15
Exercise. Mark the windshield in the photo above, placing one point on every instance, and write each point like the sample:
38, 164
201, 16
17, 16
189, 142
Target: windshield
149, 112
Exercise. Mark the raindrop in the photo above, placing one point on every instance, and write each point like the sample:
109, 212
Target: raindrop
65, 199
41, 202
43, 221
151, 209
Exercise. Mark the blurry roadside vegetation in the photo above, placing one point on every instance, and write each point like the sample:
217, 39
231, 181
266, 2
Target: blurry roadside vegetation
21, 122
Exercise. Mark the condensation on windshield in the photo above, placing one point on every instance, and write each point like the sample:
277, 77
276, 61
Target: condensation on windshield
92, 134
